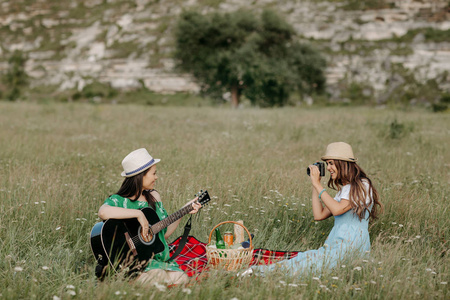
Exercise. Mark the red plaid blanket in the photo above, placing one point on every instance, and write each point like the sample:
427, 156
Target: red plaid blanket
193, 258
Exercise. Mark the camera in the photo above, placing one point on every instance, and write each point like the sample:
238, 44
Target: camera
321, 167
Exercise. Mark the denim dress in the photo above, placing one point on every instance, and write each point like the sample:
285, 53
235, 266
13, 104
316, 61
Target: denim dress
349, 237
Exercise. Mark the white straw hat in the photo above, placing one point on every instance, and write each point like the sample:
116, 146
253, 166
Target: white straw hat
340, 151
137, 161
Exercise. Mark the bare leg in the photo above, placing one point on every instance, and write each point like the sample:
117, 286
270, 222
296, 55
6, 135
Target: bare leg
152, 276
177, 277
163, 276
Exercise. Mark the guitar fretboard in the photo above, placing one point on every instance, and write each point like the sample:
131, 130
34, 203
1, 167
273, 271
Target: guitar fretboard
170, 219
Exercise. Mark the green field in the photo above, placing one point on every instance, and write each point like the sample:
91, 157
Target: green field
58, 162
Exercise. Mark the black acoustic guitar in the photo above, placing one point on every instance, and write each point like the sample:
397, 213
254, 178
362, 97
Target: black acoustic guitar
119, 242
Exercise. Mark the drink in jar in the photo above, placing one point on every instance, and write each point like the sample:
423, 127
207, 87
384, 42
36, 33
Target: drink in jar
228, 238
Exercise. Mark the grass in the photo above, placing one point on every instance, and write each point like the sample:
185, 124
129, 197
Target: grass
60, 161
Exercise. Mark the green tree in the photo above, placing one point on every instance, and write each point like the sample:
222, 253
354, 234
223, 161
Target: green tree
247, 55
16, 77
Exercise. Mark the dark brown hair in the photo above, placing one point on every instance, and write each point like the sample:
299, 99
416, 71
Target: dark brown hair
131, 188
351, 173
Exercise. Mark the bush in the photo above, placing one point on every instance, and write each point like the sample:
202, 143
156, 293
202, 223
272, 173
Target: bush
16, 77
96, 89
398, 130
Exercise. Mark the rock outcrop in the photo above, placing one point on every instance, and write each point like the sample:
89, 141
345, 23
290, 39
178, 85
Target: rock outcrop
129, 44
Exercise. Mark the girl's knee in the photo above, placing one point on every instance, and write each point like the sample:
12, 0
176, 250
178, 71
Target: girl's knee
178, 277
152, 276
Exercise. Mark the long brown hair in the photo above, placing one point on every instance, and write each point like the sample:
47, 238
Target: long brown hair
351, 173
132, 188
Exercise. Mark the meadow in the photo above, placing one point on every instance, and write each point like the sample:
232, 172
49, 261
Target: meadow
58, 162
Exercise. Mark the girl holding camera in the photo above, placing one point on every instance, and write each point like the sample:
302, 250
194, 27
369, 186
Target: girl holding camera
356, 201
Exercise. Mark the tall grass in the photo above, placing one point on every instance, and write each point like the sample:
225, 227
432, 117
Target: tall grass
59, 162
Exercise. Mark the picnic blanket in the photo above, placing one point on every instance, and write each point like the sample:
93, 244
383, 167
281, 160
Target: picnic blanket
193, 260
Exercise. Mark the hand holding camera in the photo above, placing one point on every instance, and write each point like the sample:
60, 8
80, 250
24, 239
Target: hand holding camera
321, 167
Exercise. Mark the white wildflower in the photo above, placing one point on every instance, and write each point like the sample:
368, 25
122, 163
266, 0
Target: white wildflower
160, 287
226, 205
400, 225
418, 236
187, 291
45, 268
282, 282
357, 268
18, 269
316, 278
58, 228
296, 285
373, 282
71, 292
357, 289
117, 293
56, 298
36, 202
335, 278
444, 282
69, 286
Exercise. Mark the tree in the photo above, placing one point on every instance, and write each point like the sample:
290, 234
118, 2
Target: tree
16, 77
246, 55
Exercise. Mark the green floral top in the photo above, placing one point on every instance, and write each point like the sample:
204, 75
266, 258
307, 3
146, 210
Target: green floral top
158, 261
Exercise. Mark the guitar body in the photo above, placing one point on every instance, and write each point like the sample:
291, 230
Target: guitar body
118, 241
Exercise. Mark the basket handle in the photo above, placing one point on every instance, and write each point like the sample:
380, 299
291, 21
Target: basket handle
225, 222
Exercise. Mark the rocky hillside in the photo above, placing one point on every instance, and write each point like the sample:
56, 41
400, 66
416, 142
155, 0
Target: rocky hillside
373, 47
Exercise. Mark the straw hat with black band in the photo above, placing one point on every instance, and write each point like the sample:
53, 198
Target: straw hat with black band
340, 151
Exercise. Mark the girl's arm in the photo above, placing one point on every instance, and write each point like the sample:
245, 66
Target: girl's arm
332, 207
111, 212
320, 213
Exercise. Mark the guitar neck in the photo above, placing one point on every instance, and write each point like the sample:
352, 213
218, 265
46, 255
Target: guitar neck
157, 227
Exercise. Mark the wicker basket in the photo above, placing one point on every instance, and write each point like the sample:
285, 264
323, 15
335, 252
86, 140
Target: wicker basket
229, 259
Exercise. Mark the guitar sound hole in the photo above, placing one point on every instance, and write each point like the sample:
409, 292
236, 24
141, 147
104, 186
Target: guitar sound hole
147, 238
